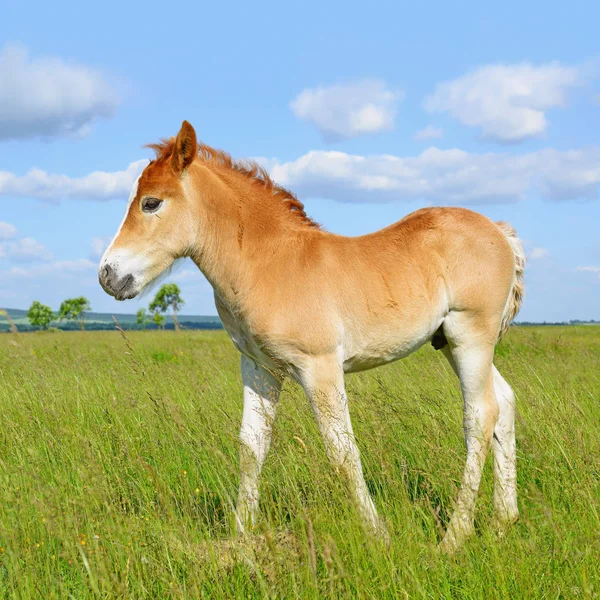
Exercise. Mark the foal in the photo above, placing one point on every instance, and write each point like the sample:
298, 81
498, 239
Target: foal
303, 303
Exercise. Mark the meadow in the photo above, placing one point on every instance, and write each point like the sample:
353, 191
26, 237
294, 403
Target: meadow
119, 469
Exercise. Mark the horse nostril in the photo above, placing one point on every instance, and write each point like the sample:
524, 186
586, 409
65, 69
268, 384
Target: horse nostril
106, 273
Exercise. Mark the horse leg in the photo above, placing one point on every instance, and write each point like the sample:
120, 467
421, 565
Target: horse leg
261, 394
471, 349
323, 382
505, 449
505, 454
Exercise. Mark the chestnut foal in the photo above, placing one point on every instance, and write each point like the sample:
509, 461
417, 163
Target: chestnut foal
303, 303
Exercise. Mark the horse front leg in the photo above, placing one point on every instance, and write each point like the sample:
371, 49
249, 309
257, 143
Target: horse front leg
261, 395
323, 381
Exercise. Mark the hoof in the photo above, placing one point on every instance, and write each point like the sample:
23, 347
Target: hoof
449, 546
454, 539
502, 523
383, 536
378, 531
244, 523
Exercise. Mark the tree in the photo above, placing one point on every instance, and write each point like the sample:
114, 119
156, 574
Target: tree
40, 315
168, 297
159, 320
11, 323
141, 317
74, 308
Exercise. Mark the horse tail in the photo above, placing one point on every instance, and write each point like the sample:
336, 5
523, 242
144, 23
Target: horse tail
515, 298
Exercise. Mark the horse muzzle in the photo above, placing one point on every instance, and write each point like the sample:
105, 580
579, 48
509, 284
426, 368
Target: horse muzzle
122, 287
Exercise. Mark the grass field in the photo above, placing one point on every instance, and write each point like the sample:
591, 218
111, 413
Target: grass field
118, 469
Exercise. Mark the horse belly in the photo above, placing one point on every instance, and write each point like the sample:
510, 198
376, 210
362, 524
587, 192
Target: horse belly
386, 347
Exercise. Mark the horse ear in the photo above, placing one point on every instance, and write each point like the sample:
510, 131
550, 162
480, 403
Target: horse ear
186, 147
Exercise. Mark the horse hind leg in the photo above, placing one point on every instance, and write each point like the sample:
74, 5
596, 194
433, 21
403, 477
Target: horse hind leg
470, 349
504, 447
505, 454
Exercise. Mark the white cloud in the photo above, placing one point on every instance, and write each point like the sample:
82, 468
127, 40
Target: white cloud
450, 176
25, 250
595, 270
48, 97
7, 231
60, 268
443, 176
538, 253
348, 110
99, 185
508, 103
429, 133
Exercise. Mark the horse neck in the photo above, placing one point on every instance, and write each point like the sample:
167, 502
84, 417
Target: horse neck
239, 227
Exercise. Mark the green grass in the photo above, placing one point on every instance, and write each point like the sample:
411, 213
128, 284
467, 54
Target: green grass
118, 469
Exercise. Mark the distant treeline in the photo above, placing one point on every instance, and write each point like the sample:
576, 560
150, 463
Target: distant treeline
105, 322
4, 327
573, 322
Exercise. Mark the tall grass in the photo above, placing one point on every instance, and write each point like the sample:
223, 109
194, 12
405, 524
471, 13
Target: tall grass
119, 469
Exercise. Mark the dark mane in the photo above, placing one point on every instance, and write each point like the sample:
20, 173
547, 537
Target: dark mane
247, 168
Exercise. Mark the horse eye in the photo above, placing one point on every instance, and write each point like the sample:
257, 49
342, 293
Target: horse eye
150, 205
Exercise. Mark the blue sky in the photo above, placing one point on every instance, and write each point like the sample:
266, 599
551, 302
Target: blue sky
366, 111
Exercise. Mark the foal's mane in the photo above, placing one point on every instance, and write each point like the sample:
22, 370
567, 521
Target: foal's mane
248, 168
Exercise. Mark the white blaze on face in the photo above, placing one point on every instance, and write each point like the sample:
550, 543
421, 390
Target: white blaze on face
125, 261
132, 196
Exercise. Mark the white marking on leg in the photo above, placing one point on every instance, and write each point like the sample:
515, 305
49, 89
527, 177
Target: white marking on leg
261, 395
505, 453
480, 413
324, 386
